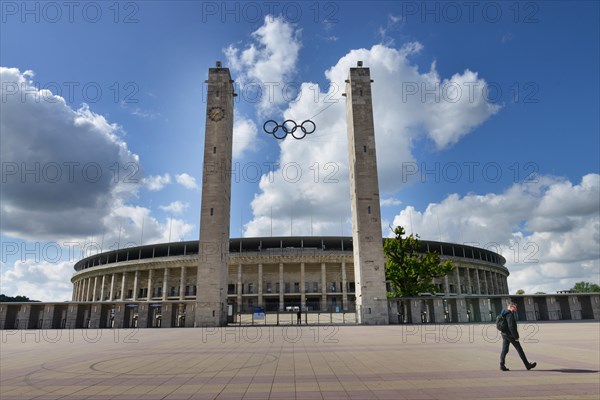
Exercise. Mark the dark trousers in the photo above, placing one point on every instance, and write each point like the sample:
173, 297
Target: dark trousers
508, 340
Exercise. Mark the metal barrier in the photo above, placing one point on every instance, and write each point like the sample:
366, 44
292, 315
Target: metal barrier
291, 318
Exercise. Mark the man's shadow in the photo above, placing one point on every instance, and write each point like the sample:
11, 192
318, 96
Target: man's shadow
568, 371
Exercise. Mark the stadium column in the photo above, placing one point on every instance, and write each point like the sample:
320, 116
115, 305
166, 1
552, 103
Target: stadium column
82, 291
469, 289
281, 288
182, 284
302, 287
94, 288
323, 287
136, 279
239, 289
150, 286
478, 281
344, 287
369, 260
87, 290
102, 287
123, 285
165, 287
213, 260
260, 285
112, 287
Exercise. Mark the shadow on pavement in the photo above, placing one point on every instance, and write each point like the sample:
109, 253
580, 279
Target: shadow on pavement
569, 371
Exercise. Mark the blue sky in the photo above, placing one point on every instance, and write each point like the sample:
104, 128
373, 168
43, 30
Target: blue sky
512, 163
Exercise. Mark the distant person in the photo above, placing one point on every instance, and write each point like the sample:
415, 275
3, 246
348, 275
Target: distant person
510, 335
299, 316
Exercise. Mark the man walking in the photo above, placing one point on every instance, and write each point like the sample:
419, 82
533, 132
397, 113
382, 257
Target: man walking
510, 335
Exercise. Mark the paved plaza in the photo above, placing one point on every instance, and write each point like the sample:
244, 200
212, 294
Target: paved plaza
307, 362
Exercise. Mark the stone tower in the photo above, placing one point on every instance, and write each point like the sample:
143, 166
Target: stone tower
369, 260
211, 297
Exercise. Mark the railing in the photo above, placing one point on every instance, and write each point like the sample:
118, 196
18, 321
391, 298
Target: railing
291, 318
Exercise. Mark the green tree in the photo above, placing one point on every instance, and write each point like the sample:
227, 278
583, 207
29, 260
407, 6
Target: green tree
17, 299
585, 287
540, 292
409, 271
520, 291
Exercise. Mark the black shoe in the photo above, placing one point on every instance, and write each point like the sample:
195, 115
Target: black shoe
531, 366
503, 368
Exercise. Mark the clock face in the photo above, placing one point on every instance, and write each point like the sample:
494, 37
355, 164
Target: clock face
216, 113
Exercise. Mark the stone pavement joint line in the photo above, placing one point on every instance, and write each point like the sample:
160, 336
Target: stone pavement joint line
308, 362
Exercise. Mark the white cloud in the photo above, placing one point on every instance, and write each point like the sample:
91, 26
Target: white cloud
81, 165
36, 273
144, 113
392, 25
157, 182
176, 207
390, 202
549, 231
38, 280
187, 181
400, 119
81, 175
269, 62
245, 136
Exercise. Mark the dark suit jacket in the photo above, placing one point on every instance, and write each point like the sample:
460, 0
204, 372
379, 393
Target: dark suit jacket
511, 322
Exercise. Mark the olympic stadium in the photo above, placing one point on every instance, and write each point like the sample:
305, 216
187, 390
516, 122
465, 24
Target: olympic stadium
217, 280
312, 274
154, 286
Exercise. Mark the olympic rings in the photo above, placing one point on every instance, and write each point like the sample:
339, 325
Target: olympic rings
289, 127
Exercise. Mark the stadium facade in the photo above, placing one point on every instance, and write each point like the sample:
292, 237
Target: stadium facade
312, 274
155, 286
